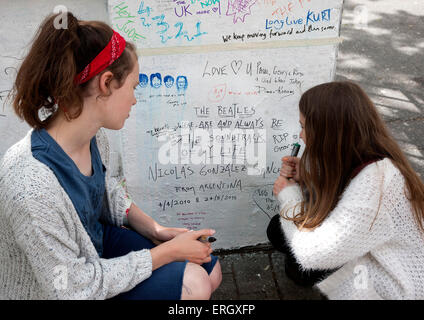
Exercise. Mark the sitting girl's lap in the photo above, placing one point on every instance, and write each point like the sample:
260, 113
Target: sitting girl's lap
165, 283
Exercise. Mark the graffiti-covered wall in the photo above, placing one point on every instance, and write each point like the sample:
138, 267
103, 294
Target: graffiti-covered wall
217, 109
220, 82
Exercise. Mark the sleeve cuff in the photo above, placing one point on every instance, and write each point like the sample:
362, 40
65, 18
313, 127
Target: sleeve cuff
127, 201
145, 264
290, 195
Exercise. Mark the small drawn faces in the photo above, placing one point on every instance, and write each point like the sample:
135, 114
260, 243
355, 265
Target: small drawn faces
155, 80
169, 81
181, 83
144, 80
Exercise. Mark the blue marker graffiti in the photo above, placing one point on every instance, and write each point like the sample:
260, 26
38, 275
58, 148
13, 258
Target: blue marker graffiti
321, 16
141, 11
278, 24
143, 79
182, 83
155, 80
162, 27
169, 81
311, 17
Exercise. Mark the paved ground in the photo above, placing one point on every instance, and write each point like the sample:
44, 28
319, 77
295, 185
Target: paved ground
386, 57
258, 274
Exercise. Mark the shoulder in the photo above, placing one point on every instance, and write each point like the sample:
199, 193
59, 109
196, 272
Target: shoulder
16, 160
22, 176
19, 150
372, 182
382, 171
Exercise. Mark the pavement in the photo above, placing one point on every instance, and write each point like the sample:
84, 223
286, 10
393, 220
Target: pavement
257, 273
384, 53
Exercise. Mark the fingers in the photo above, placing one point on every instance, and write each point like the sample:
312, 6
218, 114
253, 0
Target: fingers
289, 166
208, 259
156, 242
204, 256
202, 232
201, 261
290, 160
287, 172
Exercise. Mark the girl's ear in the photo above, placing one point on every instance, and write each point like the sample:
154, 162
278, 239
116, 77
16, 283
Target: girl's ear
104, 82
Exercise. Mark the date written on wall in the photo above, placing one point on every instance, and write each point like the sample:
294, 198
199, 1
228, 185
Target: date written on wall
169, 204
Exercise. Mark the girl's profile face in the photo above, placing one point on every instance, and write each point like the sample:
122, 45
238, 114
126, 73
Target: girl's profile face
302, 125
122, 100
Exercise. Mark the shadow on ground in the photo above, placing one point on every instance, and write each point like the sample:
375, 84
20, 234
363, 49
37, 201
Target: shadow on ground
386, 57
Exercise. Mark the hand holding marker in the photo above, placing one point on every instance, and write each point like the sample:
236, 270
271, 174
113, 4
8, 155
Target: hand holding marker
206, 239
294, 153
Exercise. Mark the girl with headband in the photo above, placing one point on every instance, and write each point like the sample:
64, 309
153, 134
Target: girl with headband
351, 220
68, 228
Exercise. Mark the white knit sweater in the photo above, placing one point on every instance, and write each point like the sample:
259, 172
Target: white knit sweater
386, 262
45, 252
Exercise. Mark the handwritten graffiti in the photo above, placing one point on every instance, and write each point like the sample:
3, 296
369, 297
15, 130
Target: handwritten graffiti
311, 17
239, 9
184, 11
218, 93
280, 23
126, 22
207, 7
221, 70
8, 76
324, 15
287, 9
160, 23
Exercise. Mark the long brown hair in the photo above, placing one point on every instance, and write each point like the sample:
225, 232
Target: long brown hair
344, 130
46, 75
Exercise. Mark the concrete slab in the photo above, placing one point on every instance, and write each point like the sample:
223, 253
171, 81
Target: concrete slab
259, 275
287, 288
409, 135
384, 54
254, 277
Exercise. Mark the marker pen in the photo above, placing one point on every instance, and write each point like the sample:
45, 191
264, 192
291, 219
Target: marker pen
206, 239
295, 150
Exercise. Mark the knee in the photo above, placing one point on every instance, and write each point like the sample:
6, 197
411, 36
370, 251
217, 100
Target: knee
204, 289
216, 276
196, 283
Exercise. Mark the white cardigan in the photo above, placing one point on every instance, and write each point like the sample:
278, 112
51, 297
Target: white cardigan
45, 252
386, 262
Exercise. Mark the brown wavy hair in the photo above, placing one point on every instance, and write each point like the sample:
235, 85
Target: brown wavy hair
46, 75
344, 130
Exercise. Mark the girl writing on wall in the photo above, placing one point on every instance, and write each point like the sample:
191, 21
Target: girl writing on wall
352, 207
